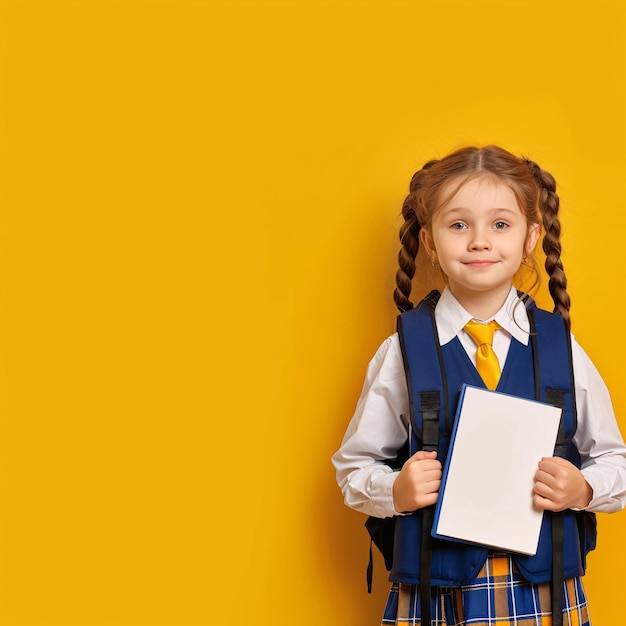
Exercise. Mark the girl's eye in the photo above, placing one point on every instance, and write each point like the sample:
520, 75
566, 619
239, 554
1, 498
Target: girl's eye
500, 225
458, 226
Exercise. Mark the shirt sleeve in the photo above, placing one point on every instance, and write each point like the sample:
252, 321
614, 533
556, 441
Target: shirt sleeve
598, 437
377, 430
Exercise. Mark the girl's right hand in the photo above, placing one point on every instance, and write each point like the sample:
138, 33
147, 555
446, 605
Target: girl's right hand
418, 482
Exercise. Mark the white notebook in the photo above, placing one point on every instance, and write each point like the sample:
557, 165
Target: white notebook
487, 488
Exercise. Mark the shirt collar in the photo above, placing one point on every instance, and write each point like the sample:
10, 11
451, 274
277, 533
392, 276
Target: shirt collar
451, 317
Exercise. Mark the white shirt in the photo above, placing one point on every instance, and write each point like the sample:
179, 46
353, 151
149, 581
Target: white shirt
379, 426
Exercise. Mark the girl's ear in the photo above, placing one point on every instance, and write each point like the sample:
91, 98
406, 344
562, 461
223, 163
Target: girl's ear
534, 230
426, 240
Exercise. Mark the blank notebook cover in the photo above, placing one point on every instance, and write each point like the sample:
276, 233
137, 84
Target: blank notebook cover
487, 486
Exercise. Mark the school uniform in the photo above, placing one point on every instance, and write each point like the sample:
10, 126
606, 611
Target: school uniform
379, 428
498, 596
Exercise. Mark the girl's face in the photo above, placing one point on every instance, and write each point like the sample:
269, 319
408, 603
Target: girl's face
479, 238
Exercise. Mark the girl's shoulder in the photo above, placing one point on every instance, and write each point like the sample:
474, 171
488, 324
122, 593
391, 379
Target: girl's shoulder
387, 363
586, 374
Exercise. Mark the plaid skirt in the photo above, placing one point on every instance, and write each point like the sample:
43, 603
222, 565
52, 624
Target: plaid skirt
499, 596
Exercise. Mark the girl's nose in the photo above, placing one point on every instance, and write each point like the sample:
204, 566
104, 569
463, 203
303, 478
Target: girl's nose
480, 242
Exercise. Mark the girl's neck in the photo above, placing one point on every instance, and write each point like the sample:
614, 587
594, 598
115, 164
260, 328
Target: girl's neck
481, 305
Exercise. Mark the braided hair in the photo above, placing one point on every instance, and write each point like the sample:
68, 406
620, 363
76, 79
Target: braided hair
549, 208
534, 189
409, 238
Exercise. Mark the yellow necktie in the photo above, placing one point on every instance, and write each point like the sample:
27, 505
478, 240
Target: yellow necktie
486, 359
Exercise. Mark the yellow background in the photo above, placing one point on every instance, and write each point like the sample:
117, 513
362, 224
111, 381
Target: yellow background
198, 227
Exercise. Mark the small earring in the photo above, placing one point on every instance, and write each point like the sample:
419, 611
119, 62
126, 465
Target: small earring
433, 262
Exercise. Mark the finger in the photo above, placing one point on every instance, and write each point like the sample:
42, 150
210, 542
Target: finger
547, 465
433, 478
557, 460
556, 466
552, 471
429, 488
544, 504
422, 455
544, 477
429, 465
434, 473
421, 474
430, 498
544, 491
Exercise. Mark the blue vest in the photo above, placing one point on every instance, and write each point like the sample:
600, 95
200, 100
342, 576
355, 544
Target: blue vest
541, 371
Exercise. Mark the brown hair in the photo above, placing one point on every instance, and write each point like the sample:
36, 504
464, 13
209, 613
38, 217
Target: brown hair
534, 188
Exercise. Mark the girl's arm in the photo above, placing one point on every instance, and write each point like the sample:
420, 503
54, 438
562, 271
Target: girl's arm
378, 429
598, 437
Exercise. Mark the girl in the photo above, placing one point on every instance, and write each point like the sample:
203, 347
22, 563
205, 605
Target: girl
478, 214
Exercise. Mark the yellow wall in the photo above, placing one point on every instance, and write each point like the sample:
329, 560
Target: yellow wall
198, 224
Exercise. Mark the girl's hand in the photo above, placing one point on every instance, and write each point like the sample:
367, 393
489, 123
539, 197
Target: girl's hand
559, 485
418, 482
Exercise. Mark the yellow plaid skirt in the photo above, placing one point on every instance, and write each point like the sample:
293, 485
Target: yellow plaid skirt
499, 596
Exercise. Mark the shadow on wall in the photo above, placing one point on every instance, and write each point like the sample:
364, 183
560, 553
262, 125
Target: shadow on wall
341, 561
344, 555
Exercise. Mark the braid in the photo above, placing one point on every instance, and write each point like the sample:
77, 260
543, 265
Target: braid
549, 207
409, 238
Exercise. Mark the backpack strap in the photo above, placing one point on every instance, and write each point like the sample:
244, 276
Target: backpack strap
554, 391
424, 370
416, 327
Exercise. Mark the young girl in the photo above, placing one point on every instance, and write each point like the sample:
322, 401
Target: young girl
478, 214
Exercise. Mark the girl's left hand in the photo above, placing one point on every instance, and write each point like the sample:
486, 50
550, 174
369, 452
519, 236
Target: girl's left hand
559, 485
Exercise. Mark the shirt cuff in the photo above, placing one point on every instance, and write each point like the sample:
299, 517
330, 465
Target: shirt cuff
601, 500
381, 492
